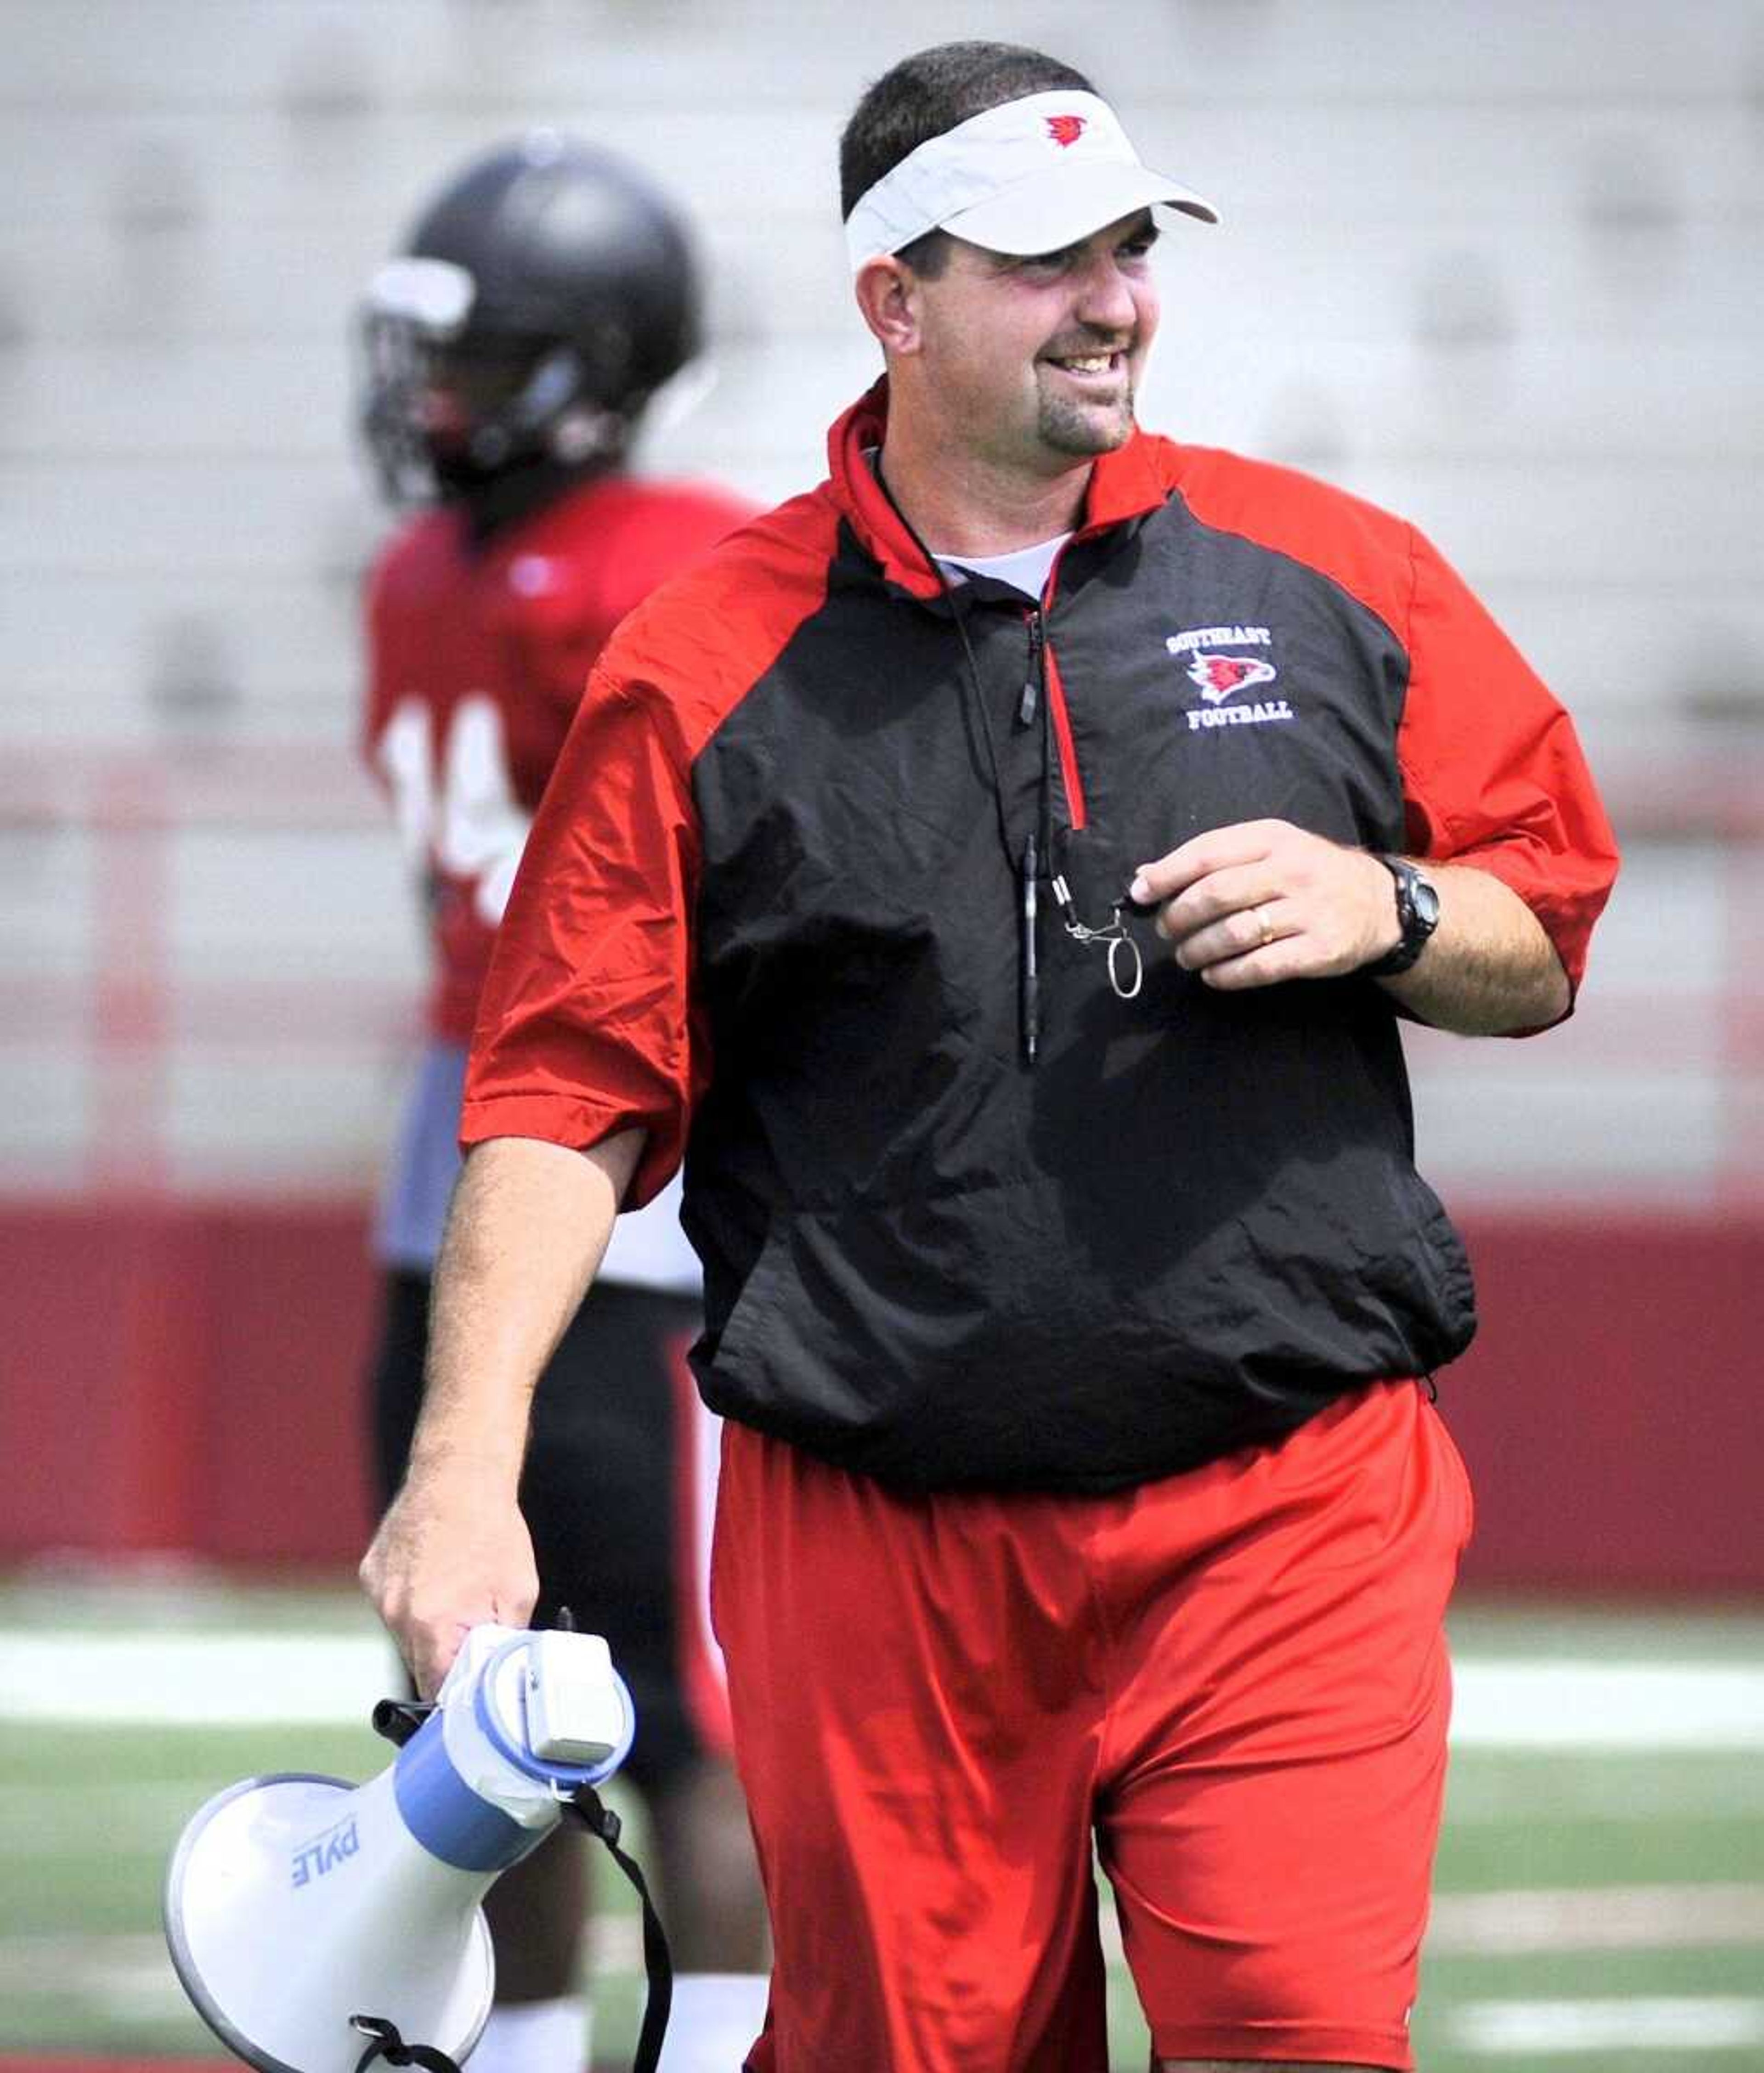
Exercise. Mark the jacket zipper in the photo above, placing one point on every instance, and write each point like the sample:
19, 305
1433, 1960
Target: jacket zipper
1032, 680
1062, 736
1042, 681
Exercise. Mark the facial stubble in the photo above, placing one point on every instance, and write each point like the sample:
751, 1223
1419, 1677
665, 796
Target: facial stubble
1083, 431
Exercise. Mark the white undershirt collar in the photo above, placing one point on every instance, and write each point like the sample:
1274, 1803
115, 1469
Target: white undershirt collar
1025, 569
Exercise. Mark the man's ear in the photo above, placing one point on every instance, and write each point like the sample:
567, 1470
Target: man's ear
888, 293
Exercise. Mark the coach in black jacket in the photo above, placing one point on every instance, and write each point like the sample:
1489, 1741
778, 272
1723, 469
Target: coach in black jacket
1002, 871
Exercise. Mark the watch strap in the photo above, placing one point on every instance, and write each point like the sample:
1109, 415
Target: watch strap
1417, 917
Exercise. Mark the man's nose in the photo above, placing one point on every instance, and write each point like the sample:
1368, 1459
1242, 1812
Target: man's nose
1105, 298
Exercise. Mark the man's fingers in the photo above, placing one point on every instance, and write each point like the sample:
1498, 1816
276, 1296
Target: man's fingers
1237, 935
430, 1632
1219, 849
1264, 901
1267, 965
432, 1577
1217, 897
432, 1651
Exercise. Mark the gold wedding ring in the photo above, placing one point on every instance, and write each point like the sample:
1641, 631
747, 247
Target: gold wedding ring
1264, 934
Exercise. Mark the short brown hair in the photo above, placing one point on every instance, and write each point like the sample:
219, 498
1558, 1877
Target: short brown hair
923, 96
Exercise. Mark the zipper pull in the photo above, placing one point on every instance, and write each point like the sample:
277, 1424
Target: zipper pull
1031, 687
1028, 966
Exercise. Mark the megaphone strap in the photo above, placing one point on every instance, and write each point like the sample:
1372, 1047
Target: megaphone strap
398, 1720
388, 2045
600, 1819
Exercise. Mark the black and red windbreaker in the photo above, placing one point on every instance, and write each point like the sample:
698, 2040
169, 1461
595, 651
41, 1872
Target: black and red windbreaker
770, 914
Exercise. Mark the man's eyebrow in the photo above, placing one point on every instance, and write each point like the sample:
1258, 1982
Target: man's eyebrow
1007, 260
1144, 232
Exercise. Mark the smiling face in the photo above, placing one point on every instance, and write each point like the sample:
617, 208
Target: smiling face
1033, 363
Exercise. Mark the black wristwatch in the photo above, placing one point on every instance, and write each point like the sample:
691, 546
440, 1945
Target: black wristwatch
1417, 915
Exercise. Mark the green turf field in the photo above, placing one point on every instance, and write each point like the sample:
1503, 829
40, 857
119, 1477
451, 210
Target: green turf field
1602, 1882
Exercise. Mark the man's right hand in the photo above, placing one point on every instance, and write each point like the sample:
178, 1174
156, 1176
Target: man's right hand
451, 1552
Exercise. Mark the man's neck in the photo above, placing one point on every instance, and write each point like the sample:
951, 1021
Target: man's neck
958, 505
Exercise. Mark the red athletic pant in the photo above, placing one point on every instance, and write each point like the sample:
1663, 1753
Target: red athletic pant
1234, 1680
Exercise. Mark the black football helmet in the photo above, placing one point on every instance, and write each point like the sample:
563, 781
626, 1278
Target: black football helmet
544, 295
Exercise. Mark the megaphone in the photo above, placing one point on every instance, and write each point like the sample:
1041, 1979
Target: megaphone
304, 1914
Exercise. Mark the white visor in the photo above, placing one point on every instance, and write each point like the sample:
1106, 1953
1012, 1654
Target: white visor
1033, 175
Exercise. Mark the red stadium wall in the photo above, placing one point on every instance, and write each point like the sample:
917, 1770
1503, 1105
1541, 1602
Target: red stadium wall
185, 1377
182, 1376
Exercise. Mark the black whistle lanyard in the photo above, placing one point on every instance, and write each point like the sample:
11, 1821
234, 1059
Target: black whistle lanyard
1036, 861
1033, 860
1027, 862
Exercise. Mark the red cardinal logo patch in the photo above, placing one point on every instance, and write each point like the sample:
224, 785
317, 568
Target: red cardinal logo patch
1066, 129
1218, 676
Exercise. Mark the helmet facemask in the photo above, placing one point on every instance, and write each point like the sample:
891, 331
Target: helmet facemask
452, 403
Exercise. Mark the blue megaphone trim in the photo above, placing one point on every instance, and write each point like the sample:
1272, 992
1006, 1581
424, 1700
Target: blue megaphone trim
453, 1823
445, 1815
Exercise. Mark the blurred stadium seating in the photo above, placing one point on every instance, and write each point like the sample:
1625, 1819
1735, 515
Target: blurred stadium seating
1500, 266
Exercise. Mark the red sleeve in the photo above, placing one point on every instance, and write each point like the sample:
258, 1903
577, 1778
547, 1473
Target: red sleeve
666, 533
1492, 773
632, 537
585, 1027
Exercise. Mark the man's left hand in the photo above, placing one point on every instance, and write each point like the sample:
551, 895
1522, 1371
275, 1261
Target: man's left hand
1263, 901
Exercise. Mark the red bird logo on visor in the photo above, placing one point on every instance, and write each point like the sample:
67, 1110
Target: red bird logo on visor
1065, 129
1219, 675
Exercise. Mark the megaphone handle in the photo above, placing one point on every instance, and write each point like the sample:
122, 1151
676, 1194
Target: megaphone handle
600, 1819
398, 1720
389, 2045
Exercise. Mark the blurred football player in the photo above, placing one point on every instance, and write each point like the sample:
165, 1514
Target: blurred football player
544, 295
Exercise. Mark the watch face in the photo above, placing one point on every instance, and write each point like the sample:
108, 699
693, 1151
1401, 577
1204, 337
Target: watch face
1427, 902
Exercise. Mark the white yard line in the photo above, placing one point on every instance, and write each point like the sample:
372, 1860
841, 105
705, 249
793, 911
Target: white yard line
178, 1679
1635, 1917
128, 1975
1578, 1705
1559, 2028
1463, 1925
193, 1680
1520, 1923
129, 1972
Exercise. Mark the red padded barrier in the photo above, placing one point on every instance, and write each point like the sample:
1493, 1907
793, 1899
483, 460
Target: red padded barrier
183, 1377
186, 1377
1612, 1408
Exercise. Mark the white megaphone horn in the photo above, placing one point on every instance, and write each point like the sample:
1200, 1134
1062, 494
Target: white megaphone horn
305, 1914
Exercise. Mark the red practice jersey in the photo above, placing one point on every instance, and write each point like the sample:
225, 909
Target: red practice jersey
478, 654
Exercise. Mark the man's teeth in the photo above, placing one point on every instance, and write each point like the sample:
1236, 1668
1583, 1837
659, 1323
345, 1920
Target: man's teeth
1093, 363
